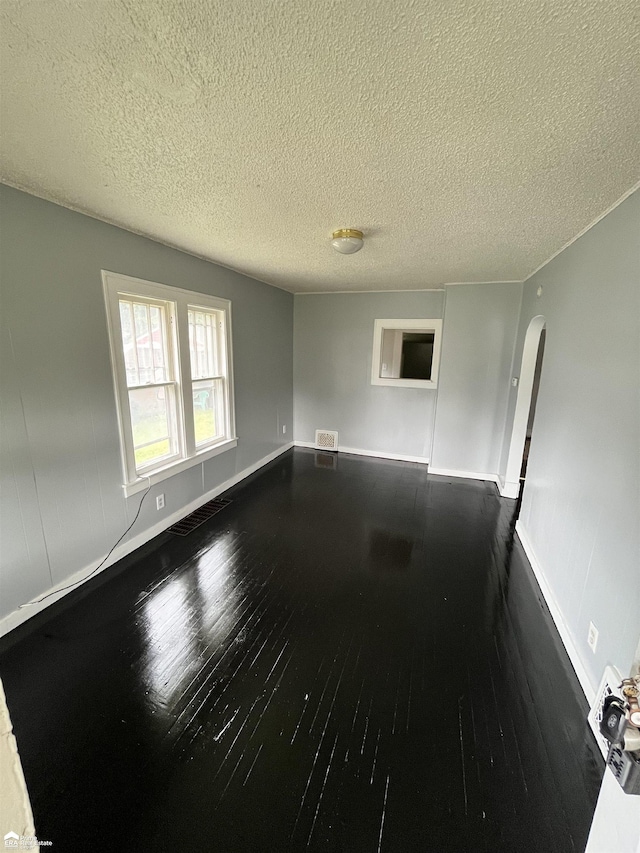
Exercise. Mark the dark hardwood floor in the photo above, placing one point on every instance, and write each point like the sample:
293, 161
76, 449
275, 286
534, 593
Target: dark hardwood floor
352, 656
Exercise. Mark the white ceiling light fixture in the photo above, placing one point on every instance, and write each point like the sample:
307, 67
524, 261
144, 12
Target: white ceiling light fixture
347, 241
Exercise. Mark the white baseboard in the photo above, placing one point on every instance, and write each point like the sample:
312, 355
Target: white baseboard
556, 615
26, 611
447, 472
509, 489
467, 475
401, 457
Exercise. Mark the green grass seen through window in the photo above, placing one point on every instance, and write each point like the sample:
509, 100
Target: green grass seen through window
205, 428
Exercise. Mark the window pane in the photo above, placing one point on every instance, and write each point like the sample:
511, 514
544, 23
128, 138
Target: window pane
153, 424
144, 341
159, 343
128, 342
208, 416
203, 344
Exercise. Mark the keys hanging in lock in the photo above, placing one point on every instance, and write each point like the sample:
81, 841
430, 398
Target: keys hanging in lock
613, 722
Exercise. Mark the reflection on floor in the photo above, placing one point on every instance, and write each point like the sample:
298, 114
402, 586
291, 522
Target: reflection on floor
351, 657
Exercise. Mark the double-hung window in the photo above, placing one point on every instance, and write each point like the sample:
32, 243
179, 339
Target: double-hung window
172, 368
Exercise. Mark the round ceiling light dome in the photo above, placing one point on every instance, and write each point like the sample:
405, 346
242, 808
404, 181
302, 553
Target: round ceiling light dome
347, 241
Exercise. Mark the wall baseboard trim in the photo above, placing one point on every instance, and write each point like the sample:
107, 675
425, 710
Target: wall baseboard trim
445, 472
17, 617
509, 489
400, 457
556, 615
467, 475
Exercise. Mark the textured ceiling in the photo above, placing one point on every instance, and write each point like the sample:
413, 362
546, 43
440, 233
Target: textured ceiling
469, 139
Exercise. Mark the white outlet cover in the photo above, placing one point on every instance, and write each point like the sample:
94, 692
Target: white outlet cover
160, 502
592, 637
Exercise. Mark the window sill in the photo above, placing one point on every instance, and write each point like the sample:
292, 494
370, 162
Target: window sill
405, 383
161, 474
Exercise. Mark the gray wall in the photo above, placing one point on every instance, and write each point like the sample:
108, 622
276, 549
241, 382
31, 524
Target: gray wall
62, 503
333, 342
477, 350
581, 503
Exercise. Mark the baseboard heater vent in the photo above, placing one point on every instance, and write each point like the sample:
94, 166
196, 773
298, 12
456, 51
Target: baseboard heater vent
326, 439
198, 517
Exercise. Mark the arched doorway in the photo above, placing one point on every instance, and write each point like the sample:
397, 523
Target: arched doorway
525, 406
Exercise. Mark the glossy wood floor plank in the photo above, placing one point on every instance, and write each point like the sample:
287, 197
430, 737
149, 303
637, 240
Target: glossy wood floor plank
347, 658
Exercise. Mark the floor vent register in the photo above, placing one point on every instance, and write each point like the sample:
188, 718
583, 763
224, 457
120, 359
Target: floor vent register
198, 517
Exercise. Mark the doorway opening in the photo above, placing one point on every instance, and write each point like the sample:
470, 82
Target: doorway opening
532, 406
528, 386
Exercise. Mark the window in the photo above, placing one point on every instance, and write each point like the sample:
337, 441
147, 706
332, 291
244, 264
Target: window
406, 353
171, 358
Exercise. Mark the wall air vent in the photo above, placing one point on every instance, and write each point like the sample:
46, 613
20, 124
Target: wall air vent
326, 439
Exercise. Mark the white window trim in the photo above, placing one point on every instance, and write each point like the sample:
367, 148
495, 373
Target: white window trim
425, 325
115, 284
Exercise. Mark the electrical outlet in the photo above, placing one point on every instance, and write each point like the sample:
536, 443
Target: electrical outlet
284, 429
160, 502
592, 637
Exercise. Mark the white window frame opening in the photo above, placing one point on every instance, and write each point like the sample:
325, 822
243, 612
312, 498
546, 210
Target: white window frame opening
424, 326
175, 355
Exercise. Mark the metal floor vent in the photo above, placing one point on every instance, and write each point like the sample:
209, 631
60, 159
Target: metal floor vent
198, 517
326, 439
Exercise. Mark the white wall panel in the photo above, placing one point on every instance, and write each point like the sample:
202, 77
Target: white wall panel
332, 373
477, 349
24, 565
61, 465
581, 502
